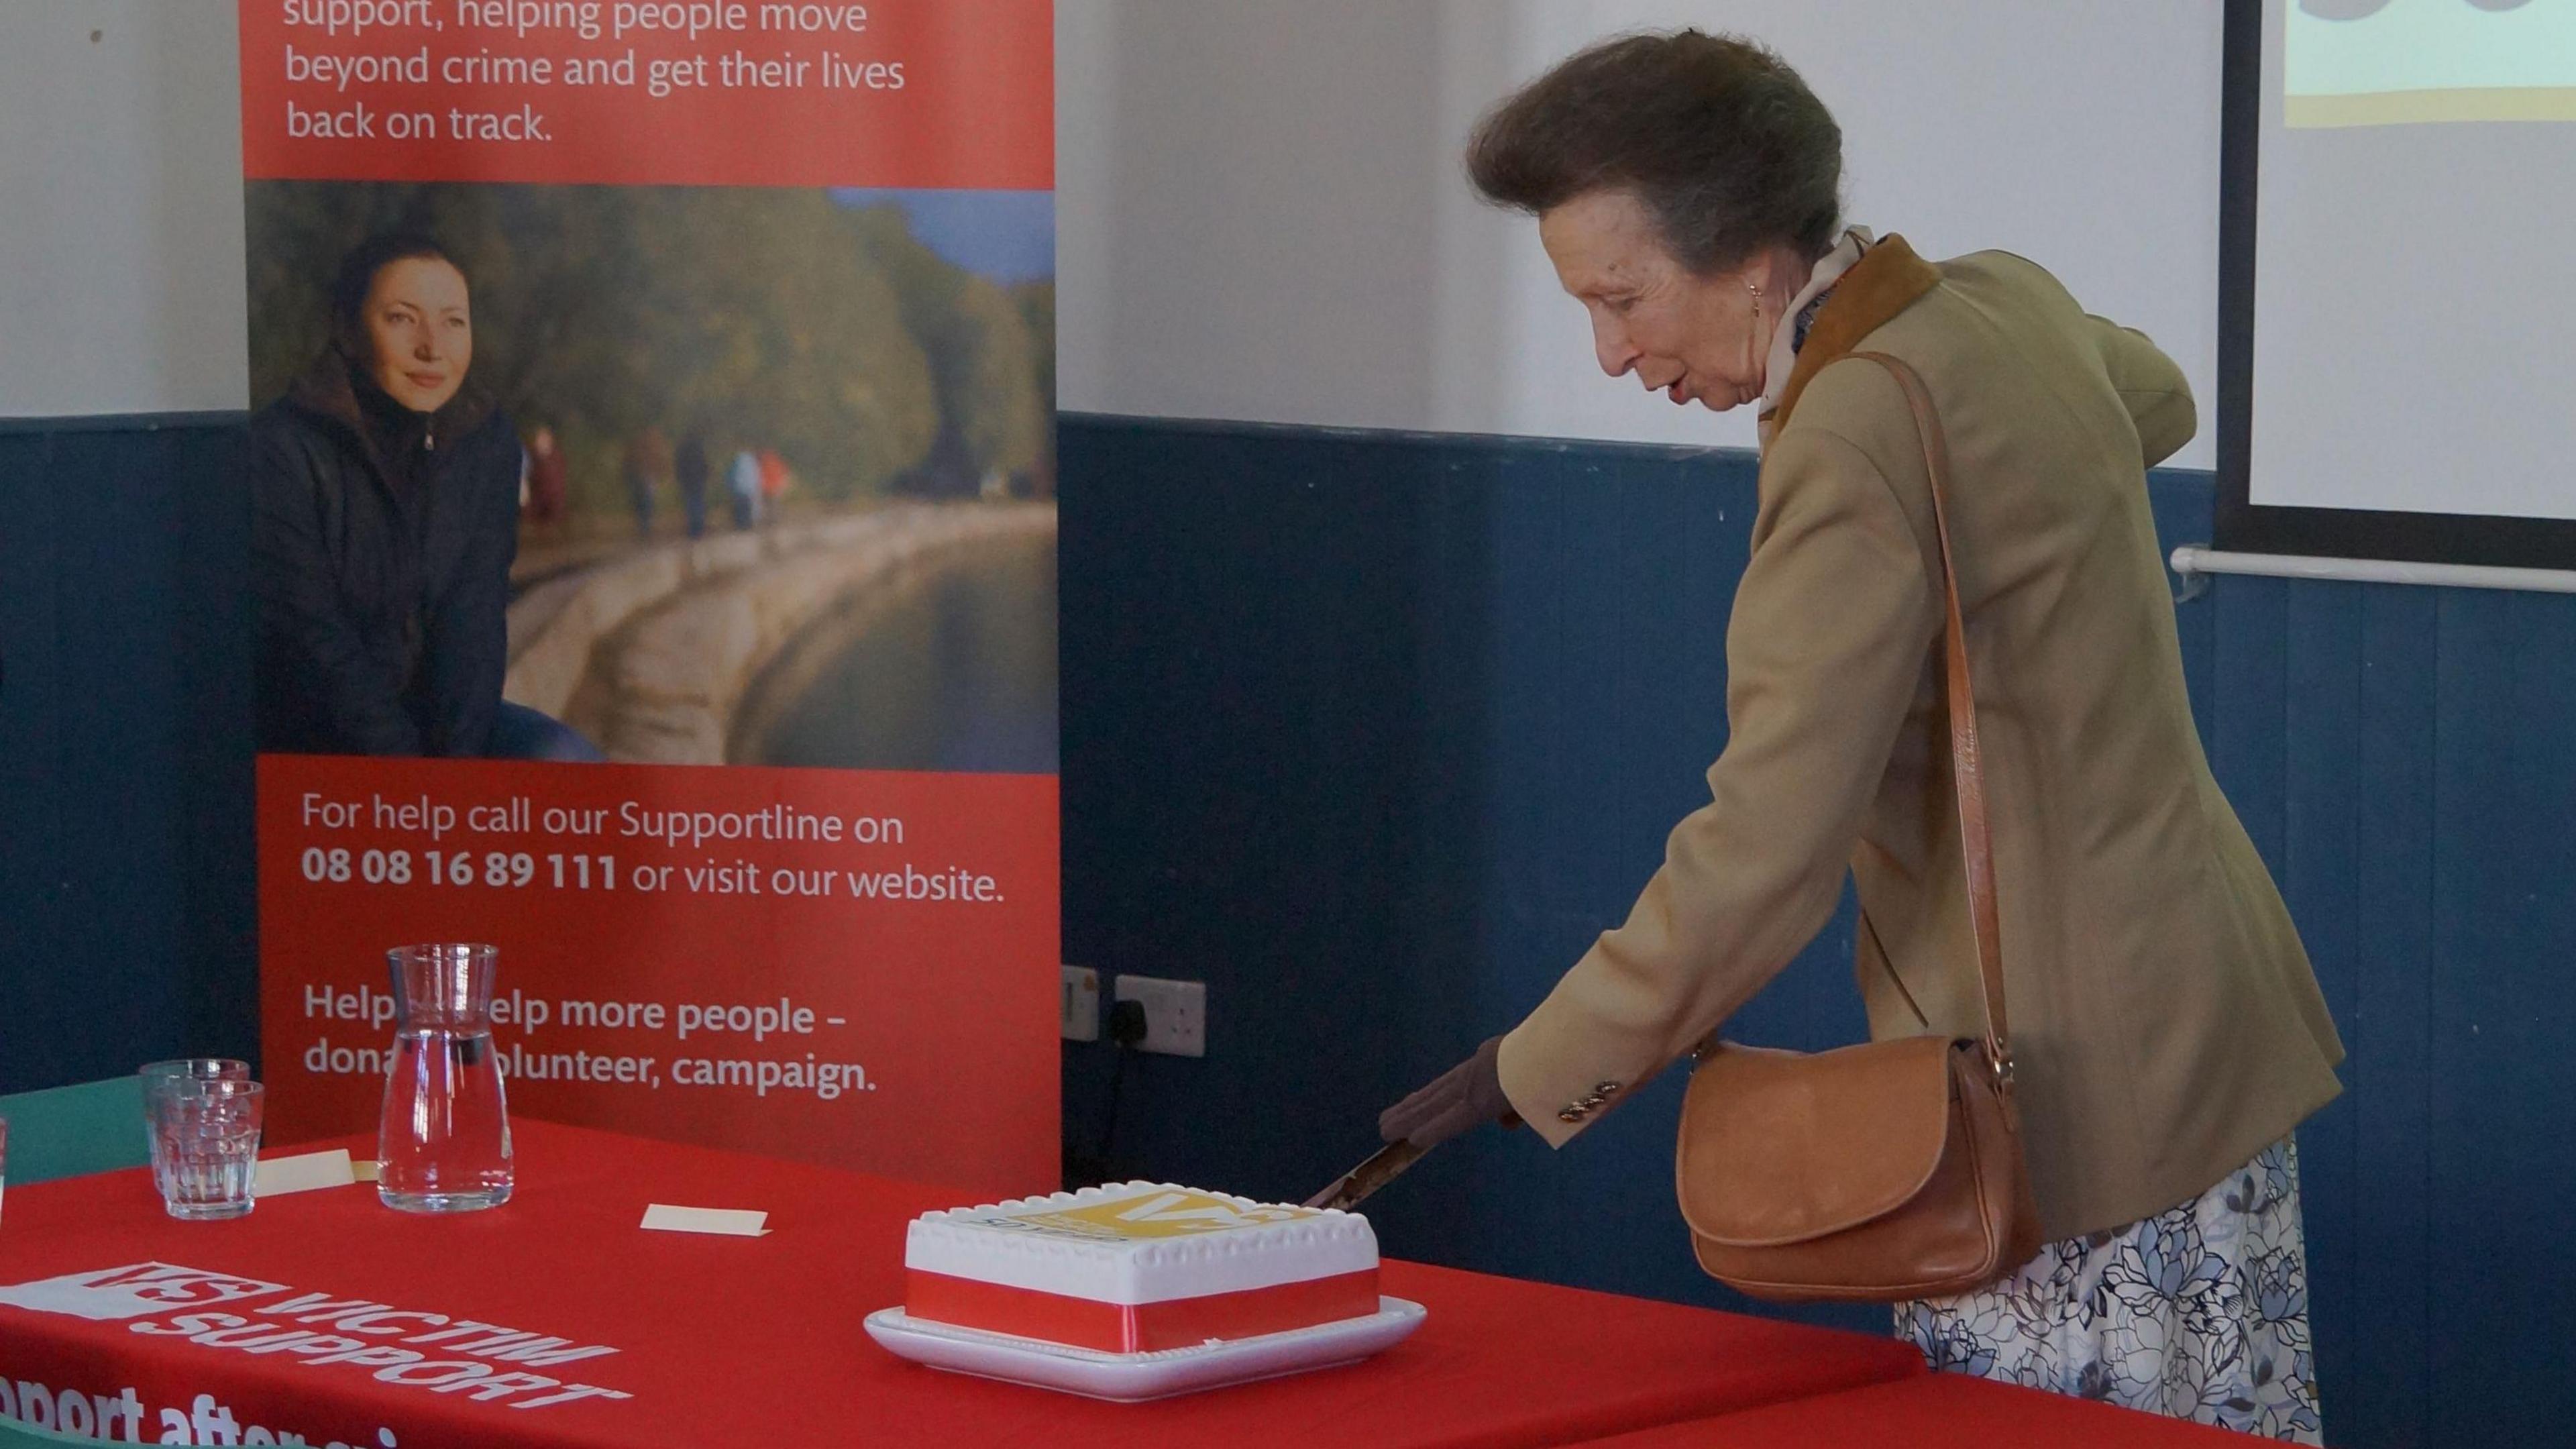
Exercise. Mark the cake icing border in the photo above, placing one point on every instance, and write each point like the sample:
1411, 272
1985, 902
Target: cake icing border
951, 1242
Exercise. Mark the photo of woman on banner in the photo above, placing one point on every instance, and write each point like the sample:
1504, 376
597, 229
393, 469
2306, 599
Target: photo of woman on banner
385, 498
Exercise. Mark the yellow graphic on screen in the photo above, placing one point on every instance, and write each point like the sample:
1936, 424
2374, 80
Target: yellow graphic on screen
2390, 62
1163, 1213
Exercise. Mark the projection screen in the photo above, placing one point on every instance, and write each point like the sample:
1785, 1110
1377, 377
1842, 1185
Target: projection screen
2398, 331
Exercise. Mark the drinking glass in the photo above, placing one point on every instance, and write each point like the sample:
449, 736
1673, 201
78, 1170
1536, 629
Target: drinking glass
186, 1071
186, 1074
445, 1136
206, 1139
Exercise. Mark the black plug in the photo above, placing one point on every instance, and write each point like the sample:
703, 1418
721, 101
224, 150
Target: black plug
1126, 1027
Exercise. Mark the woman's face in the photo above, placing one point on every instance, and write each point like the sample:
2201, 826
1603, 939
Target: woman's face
420, 332
1689, 337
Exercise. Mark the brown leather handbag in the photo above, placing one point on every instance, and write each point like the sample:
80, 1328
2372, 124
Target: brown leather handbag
1890, 1170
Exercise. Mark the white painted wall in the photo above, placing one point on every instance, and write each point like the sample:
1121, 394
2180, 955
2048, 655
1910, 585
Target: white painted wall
1262, 213
120, 208
1260, 204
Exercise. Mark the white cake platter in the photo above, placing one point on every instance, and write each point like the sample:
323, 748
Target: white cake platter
1129, 1378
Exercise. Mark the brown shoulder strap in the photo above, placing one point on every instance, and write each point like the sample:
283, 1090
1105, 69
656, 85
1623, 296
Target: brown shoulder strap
1967, 765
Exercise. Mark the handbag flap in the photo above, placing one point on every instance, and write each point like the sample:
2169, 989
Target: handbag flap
1781, 1147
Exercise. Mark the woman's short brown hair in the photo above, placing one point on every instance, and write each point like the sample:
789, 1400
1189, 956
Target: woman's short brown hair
1721, 140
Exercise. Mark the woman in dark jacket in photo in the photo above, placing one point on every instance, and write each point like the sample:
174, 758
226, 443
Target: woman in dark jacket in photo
385, 494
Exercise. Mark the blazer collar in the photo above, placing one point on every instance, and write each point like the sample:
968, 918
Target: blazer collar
1886, 280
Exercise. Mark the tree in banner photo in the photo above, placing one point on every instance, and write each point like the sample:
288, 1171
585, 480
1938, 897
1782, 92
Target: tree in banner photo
619, 439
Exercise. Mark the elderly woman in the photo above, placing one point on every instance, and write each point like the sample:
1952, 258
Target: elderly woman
2169, 1032
385, 496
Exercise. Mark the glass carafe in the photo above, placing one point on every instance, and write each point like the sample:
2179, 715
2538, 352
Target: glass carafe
445, 1141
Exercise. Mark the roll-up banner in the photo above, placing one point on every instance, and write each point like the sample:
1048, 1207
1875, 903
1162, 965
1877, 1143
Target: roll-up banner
654, 549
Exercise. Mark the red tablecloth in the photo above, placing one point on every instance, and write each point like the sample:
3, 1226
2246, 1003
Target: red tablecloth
1934, 1411
756, 1341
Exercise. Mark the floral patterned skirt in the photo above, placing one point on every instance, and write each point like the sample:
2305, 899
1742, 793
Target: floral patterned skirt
2200, 1312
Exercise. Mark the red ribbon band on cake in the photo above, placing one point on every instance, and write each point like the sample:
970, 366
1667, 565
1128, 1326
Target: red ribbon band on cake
1138, 1327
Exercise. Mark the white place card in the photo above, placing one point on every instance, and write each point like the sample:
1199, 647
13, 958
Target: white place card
304, 1172
726, 1222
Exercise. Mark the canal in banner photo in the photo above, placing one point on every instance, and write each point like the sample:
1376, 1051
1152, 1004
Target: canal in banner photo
953, 667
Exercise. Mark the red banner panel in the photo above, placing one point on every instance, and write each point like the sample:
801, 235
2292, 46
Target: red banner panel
853, 968
893, 93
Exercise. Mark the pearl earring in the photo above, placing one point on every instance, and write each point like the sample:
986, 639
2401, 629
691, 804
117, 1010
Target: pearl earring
1749, 365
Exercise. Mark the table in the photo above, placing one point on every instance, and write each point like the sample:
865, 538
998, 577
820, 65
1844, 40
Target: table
672, 1341
1934, 1411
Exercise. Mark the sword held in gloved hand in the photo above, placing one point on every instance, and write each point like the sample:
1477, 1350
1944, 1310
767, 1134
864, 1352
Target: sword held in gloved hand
1348, 1190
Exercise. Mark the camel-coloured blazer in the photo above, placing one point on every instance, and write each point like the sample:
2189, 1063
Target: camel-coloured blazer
2164, 1018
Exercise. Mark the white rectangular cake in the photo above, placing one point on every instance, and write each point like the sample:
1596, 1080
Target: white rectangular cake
1138, 1267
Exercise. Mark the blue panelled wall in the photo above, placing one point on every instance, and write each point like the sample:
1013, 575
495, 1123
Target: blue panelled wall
126, 914
1372, 733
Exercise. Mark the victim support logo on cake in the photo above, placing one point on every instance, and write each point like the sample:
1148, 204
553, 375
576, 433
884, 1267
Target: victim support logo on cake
1138, 1267
1159, 1213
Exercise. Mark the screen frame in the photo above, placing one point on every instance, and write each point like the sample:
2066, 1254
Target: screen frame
2243, 526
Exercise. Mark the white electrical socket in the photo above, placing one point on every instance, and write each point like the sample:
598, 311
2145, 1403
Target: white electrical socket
1175, 1014
1079, 1011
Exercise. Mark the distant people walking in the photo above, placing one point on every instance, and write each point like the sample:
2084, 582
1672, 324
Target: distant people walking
647, 458
742, 482
774, 477
693, 483
546, 479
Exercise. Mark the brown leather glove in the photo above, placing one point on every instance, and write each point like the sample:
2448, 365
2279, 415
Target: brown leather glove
1469, 1094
